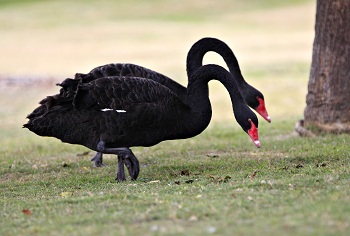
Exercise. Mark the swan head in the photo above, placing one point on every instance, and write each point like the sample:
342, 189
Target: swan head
261, 109
255, 99
253, 133
247, 119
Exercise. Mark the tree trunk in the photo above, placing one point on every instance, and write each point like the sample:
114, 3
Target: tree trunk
328, 98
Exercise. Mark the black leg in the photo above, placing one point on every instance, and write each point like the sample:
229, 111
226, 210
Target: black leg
120, 170
131, 163
98, 160
125, 157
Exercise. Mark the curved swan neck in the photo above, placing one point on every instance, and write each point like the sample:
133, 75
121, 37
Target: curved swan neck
197, 89
204, 45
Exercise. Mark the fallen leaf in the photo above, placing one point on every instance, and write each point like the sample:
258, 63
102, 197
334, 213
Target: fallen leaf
154, 181
27, 212
212, 155
252, 176
220, 179
211, 177
66, 194
83, 154
321, 164
36, 167
227, 178
270, 182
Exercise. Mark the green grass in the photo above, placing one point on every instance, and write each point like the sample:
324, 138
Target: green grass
186, 187
201, 186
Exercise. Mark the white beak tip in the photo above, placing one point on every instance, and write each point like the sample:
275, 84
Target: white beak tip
268, 118
257, 143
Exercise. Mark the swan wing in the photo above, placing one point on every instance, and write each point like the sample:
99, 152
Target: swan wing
122, 93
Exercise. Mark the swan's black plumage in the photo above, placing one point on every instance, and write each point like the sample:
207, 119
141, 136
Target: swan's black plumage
111, 114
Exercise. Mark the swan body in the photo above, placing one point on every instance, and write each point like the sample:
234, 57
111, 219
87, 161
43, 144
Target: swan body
113, 113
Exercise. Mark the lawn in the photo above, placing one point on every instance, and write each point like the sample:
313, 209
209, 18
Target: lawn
217, 183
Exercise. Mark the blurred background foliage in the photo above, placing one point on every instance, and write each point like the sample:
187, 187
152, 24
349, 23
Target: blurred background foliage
52, 40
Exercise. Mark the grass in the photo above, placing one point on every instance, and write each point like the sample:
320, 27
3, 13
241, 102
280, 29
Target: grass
217, 183
200, 186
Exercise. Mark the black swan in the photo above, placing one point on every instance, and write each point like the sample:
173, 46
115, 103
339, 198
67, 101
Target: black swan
253, 97
112, 114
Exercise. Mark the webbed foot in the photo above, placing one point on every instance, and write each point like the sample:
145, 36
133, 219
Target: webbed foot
125, 157
98, 160
128, 159
132, 164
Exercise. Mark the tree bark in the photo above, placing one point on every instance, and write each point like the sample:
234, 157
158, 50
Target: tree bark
328, 98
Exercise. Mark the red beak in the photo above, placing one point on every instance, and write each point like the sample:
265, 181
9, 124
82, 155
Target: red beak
261, 109
253, 134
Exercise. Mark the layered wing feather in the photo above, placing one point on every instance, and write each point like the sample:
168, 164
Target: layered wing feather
123, 93
69, 85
